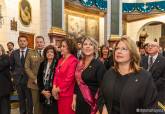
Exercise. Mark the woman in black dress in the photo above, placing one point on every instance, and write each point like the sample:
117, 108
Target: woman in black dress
5, 82
126, 88
89, 74
45, 81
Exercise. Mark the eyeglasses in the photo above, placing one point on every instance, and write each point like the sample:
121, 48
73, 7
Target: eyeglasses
121, 49
152, 45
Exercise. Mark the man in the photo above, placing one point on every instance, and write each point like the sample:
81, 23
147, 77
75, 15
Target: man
79, 46
20, 77
155, 64
10, 46
32, 63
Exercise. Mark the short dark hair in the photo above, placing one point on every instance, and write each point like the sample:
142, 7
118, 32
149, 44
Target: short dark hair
71, 45
10, 43
22, 36
48, 48
40, 37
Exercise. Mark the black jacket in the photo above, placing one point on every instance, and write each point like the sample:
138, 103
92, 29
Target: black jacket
158, 73
139, 92
18, 70
40, 81
5, 79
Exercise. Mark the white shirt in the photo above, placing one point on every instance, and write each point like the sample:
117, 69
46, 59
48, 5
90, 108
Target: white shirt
154, 58
24, 52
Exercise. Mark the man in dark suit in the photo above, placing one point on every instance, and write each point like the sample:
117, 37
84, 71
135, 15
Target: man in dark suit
155, 64
20, 77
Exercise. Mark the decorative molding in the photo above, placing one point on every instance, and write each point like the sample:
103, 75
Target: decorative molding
57, 31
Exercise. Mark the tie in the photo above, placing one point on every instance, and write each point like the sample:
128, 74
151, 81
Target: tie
39, 51
22, 57
150, 62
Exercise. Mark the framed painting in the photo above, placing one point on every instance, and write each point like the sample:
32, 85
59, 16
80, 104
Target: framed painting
76, 25
92, 28
25, 12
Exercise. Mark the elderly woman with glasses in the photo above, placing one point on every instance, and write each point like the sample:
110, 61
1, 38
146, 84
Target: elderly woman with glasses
126, 88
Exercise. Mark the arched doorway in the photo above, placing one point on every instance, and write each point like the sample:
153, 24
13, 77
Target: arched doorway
151, 31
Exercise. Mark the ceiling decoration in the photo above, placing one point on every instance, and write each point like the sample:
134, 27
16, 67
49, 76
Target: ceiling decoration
143, 7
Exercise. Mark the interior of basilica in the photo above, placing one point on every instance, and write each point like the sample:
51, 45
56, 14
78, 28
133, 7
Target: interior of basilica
104, 20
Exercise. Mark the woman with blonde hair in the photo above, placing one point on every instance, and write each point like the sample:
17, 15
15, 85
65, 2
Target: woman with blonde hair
126, 88
89, 74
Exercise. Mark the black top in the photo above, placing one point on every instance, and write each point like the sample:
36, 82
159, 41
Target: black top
92, 76
139, 92
118, 88
40, 80
5, 79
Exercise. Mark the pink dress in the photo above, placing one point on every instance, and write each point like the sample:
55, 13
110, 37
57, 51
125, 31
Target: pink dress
65, 80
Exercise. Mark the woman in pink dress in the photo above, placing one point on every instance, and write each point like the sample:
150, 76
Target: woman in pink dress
64, 81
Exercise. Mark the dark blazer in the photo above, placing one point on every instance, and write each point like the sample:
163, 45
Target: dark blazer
139, 92
5, 79
40, 81
18, 70
158, 73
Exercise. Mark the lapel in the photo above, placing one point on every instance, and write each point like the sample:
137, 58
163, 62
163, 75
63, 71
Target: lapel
145, 62
26, 52
17, 56
154, 65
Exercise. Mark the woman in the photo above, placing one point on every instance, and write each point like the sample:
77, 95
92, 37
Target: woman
5, 82
126, 88
64, 81
105, 58
89, 74
45, 81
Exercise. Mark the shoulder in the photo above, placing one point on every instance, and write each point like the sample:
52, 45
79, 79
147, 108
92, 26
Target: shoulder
98, 63
15, 51
31, 52
161, 57
110, 73
143, 75
72, 58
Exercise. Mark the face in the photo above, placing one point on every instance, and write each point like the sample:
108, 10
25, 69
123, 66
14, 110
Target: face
10, 46
50, 54
79, 45
105, 51
122, 54
153, 48
39, 43
64, 48
88, 48
142, 51
22, 42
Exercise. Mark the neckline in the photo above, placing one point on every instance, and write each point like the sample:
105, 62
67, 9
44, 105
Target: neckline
64, 60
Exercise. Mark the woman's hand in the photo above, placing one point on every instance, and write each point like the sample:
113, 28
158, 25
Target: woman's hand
55, 92
74, 103
104, 110
47, 94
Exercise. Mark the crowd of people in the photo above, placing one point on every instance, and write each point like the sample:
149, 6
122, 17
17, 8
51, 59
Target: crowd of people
81, 78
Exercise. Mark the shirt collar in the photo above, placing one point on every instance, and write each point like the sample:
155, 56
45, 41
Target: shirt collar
25, 49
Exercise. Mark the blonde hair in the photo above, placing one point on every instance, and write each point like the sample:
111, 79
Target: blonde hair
134, 54
94, 43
